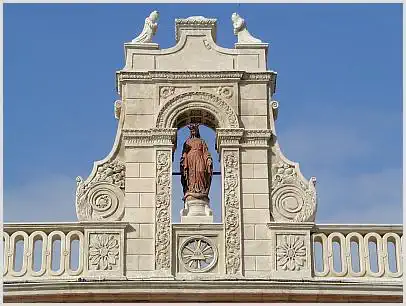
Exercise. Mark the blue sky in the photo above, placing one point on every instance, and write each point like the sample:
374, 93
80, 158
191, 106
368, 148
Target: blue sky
339, 89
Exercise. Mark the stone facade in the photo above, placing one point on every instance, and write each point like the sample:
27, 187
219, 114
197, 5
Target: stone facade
124, 206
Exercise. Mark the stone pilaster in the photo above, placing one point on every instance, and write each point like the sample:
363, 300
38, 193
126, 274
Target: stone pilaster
228, 145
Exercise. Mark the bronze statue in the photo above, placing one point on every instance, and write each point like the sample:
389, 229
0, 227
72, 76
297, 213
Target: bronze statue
196, 167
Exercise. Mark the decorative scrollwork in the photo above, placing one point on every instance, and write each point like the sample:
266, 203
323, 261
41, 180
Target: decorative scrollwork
292, 199
162, 213
167, 91
101, 199
225, 91
232, 208
198, 254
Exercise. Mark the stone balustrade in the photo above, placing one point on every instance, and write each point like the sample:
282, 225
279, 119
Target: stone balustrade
357, 251
369, 252
50, 246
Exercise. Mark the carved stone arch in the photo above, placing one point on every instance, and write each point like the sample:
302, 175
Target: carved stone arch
223, 113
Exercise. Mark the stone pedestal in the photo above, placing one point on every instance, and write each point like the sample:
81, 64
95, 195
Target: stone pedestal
196, 211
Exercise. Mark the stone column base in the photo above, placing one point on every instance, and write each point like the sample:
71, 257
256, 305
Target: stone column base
196, 211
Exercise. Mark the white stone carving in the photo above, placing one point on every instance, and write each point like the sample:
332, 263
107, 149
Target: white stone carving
240, 29
167, 91
256, 138
104, 250
162, 210
117, 109
102, 197
196, 23
232, 211
149, 30
225, 91
207, 101
198, 254
292, 198
148, 137
275, 109
291, 252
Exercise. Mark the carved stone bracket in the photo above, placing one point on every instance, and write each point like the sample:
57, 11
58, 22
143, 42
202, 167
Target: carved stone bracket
101, 197
232, 210
293, 198
163, 210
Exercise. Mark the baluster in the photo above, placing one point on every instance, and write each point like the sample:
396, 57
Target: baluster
6, 253
392, 237
340, 239
380, 255
32, 240
361, 258
50, 251
322, 238
26, 253
69, 237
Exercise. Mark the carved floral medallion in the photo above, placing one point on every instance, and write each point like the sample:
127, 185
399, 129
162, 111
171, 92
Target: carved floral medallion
291, 253
104, 251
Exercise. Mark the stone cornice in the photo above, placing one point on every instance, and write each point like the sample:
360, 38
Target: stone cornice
265, 76
149, 137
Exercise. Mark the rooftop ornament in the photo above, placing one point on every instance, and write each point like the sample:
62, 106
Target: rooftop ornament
240, 29
149, 30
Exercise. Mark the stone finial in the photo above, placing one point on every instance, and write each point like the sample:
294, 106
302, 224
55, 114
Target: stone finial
149, 30
240, 29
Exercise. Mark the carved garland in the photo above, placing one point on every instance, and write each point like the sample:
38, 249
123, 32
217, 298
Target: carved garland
213, 103
232, 212
101, 199
162, 210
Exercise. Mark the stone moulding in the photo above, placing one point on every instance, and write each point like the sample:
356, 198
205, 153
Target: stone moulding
222, 111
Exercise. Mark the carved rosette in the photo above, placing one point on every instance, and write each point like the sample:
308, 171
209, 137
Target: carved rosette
291, 252
104, 251
293, 199
162, 210
101, 198
232, 211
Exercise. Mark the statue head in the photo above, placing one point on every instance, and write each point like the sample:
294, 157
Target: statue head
234, 17
154, 16
194, 130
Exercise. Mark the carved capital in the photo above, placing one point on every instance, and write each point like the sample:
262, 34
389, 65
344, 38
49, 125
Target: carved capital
228, 137
256, 138
149, 137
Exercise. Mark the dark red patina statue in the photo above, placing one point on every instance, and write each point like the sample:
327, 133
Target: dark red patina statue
196, 167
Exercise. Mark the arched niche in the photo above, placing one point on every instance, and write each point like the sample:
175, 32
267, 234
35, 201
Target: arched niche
211, 109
